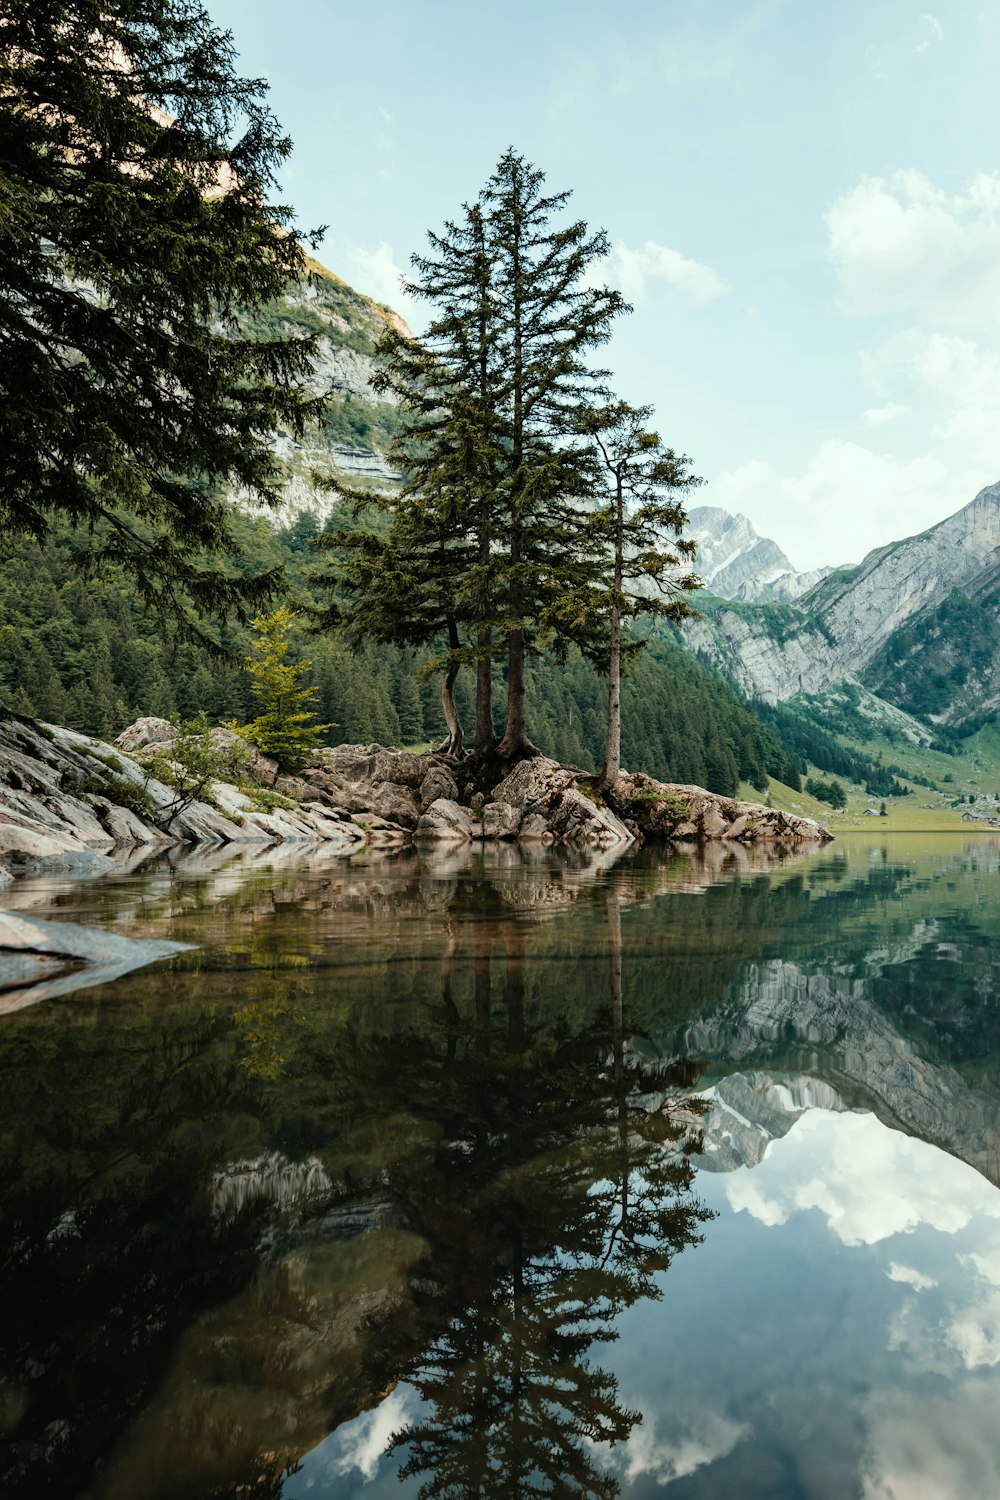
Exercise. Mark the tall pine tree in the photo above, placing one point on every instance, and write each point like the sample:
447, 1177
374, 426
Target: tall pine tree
552, 318
138, 228
637, 521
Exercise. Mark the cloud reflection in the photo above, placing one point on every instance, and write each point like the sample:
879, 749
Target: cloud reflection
868, 1181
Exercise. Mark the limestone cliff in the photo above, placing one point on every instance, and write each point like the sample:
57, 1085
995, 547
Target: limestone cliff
358, 423
838, 628
736, 563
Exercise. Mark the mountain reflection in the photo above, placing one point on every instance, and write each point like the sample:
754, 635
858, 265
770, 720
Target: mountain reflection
246, 1220
405, 1139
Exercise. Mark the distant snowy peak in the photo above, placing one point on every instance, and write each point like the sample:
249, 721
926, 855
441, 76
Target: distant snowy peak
736, 563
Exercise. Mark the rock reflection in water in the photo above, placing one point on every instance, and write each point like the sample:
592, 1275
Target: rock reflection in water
417, 1127
279, 1207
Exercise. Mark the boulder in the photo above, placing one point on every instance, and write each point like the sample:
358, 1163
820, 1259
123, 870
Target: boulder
532, 782
239, 759
124, 826
66, 957
144, 733
438, 782
534, 829
396, 803
584, 824
544, 792
28, 851
379, 833
197, 823
713, 824
500, 820
374, 763
446, 820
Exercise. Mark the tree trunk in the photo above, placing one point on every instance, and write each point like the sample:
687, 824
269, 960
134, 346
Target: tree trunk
613, 752
484, 693
455, 742
515, 744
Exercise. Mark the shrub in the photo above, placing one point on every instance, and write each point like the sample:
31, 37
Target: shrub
285, 728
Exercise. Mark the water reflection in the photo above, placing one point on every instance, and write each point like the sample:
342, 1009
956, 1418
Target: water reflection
282, 1209
402, 1147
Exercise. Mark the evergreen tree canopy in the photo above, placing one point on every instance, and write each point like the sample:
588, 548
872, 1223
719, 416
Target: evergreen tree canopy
286, 725
136, 229
552, 318
490, 531
637, 522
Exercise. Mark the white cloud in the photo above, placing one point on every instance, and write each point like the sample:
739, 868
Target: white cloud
903, 245
847, 500
933, 1447
378, 274
868, 1181
709, 1437
910, 1277
876, 416
936, 29
361, 1444
958, 381
635, 272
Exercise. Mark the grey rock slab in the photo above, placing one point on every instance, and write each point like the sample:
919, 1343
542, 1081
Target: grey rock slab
438, 782
86, 956
713, 824
146, 732
501, 820
445, 820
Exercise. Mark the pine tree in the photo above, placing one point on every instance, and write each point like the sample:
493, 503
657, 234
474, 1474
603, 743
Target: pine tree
285, 727
138, 231
637, 522
489, 530
431, 579
552, 319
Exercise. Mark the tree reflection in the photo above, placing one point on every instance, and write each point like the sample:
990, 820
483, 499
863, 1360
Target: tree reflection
558, 1198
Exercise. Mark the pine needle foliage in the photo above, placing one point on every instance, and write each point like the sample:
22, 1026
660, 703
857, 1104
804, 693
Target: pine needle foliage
637, 523
137, 231
490, 531
286, 727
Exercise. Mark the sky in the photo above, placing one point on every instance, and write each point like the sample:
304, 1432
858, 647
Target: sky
803, 202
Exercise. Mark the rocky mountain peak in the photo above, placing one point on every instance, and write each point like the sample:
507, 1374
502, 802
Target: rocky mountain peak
736, 563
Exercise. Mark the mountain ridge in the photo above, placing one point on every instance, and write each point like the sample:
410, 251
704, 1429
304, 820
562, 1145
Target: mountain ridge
737, 563
836, 630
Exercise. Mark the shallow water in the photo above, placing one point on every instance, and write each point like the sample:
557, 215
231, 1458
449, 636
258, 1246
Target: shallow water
514, 1175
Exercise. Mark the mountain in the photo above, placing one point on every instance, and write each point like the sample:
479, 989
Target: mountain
358, 423
917, 622
736, 563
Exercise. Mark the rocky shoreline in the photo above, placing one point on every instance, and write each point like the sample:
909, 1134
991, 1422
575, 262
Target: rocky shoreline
67, 801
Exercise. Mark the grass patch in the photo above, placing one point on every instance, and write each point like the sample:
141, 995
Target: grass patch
122, 792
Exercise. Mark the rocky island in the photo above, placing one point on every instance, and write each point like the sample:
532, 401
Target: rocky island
68, 801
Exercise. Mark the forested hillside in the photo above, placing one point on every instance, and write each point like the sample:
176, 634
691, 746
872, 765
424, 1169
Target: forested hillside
83, 652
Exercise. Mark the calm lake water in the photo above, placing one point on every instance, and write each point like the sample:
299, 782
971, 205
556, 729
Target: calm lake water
513, 1175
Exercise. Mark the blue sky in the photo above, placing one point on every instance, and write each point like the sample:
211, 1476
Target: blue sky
804, 203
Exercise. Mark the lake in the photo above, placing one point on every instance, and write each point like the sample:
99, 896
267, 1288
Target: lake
512, 1173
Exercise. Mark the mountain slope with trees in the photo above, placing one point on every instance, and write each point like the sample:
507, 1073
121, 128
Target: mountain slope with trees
88, 655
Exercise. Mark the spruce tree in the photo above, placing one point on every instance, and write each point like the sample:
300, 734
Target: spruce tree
637, 521
285, 726
433, 578
400, 587
552, 319
490, 530
138, 228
